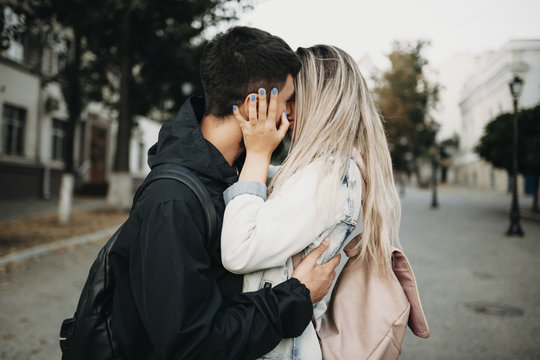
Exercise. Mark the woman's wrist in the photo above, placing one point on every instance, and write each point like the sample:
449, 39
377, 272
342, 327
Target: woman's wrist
255, 167
259, 157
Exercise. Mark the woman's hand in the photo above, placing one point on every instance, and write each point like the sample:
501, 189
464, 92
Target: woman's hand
261, 133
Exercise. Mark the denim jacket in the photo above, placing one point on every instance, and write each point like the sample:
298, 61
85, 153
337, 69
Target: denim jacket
259, 235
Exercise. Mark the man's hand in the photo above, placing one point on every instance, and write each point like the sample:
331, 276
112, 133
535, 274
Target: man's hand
317, 278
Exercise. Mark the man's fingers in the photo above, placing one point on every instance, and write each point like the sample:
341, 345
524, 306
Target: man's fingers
252, 109
333, 262
262, 105
319, 250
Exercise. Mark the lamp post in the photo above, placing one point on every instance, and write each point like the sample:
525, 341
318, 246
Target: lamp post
434, 150
435, 159
516, 85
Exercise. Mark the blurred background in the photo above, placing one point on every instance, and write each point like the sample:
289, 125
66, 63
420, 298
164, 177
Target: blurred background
85, 86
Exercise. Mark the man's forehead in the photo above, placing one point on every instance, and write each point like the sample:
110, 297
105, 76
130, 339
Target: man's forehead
288, 88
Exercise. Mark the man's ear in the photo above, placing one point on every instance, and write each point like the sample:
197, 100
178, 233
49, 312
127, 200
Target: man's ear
244, 109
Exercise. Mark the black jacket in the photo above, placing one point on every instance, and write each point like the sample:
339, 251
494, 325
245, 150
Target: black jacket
173, 298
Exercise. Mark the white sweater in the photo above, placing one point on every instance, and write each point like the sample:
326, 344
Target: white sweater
259, 237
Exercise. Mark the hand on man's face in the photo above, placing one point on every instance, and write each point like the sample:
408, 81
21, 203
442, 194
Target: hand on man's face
260, 132
285, 102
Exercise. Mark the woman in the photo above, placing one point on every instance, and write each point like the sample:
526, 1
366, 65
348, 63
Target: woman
318, 191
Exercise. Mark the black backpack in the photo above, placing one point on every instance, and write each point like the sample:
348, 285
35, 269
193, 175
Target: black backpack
87, 335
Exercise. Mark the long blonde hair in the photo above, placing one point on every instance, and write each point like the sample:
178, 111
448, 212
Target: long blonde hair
334, 115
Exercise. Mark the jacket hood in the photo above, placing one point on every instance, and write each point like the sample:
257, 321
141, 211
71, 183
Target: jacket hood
181, 142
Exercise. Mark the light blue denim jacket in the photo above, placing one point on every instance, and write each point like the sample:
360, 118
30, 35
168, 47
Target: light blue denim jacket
244, 200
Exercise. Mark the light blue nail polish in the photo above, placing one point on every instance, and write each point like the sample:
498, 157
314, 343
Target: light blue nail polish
285, 113
253, 97
261, 91
274, 91
234, 107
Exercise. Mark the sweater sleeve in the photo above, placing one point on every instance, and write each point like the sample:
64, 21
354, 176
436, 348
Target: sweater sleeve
180, 303
259, 234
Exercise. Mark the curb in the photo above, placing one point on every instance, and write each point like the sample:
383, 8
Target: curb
36, 251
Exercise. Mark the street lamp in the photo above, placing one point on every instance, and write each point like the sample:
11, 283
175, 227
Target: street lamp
516, 85
435, 160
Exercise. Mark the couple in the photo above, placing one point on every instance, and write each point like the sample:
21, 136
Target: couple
258, 292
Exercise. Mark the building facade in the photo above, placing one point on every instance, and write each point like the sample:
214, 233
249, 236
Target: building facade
486, 95
33, 118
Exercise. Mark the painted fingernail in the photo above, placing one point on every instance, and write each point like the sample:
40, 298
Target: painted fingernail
253, 97
261, 91
285, 114
274, 91
234, 107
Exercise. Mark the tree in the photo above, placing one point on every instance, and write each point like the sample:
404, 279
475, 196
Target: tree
39, 20
495, 145
149, 51
72, 21
139, 57
405, 97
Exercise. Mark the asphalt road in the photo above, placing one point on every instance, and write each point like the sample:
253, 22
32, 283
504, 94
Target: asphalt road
463, 260
459, 253
36, 298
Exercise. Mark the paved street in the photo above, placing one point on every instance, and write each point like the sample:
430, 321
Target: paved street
461, 256
34, 301
459, 253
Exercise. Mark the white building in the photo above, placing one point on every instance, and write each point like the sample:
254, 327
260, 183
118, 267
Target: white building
451, 76
33, 123
485, 95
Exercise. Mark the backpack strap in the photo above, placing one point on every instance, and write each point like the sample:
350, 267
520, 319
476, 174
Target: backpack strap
186, 176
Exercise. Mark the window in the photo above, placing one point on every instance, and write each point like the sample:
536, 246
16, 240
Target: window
55, 53
13, 120
58, 136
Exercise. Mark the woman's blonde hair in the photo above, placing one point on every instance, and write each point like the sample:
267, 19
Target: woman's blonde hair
335, 114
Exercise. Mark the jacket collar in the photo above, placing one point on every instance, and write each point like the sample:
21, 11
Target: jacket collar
181, 141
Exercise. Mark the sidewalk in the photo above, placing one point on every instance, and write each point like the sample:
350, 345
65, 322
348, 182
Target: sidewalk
19, 209
29, 228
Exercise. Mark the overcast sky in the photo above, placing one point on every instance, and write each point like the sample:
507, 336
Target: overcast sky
370, 27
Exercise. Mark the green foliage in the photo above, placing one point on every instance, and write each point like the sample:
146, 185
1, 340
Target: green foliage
405, 97
166, 42
140, 57
495, 145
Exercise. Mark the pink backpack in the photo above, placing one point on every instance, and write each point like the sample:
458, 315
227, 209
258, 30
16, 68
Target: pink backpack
368, 313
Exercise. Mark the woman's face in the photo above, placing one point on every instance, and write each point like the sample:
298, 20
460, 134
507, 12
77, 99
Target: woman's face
291, 109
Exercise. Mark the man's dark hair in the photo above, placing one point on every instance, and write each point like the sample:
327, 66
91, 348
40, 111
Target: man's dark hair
239, 62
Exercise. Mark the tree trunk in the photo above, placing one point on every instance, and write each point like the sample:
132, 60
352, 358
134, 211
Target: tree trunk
74, 104
120, 190
66, 198
535, 193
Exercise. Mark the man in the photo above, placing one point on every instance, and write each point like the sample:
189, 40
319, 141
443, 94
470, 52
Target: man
173, 298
